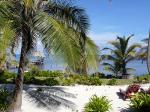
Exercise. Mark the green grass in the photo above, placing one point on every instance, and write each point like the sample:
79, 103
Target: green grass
119, 81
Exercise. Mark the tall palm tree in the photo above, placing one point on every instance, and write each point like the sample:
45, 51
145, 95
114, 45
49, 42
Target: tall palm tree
61, 27
122, 53
148, 54
113, 67
144, 53
144, 50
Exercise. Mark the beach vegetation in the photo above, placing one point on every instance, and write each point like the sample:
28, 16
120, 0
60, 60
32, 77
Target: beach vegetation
112, 82
120, 55
98, 104
140, 102
60, 26
4, 99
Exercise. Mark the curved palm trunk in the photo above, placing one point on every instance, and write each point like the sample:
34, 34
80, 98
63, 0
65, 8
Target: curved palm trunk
16, 103
124, 71
148, 55
83, 57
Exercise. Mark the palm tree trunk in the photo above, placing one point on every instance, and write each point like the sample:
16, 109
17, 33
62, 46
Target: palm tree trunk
148, 55
124, 71
16, 103
83, 67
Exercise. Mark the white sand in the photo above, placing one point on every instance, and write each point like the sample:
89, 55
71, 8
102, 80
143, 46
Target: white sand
71, 98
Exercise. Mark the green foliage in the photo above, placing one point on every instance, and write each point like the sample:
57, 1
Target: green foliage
143, 79
28, 79
51, 82
69, 27
98, 104
94, 81
51, 74
67, 81
5, 76
83, 80
121, 54
112, 82
141, 103
4, 99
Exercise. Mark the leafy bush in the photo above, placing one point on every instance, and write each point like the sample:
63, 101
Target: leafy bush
98, 74
3, 79
50, 82
83, 80
5, 76
95, 81
51, 74
141, 103
4, 99
67, 81
112, 82
143, 79
98, 104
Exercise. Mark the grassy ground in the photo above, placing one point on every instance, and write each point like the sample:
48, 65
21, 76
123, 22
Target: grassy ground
119, 81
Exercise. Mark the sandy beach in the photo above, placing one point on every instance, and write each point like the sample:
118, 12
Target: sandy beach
70, 98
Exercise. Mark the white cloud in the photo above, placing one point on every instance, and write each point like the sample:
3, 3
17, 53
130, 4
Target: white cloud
102, 39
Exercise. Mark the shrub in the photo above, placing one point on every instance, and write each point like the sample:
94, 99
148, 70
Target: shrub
112, 82
95, 81
98, 74
51, 74
5, 76
67, 81
3, 79
143, 79
50, 82
141, 103
4, 100
98, 104
29, 78
83, 80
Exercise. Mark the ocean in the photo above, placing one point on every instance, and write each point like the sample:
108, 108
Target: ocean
51, 63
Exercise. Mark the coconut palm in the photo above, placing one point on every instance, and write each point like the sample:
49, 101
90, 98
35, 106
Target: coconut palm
61, 27
6, 34
122, 53
112, 67
143, 51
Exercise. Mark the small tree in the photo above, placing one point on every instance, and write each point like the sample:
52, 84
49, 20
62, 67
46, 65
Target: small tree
121, 54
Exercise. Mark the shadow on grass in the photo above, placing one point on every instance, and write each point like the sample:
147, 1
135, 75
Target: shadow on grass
50, 97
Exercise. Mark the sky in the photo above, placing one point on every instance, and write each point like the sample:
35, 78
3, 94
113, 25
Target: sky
118, 18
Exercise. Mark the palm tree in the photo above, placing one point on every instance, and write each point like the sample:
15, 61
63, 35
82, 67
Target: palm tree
61, 27
144, 53
122, 54
144, 50
113, 68
6, 34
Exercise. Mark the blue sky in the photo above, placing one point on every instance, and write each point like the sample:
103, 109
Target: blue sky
121, 17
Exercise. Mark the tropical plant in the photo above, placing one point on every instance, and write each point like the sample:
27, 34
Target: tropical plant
140, 103
144, 53
60, 26
97, 104
113, 68
112, 82
6, 34
121, 54
4, 100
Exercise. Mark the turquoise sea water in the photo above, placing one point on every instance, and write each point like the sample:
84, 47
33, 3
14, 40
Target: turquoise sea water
50, 63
